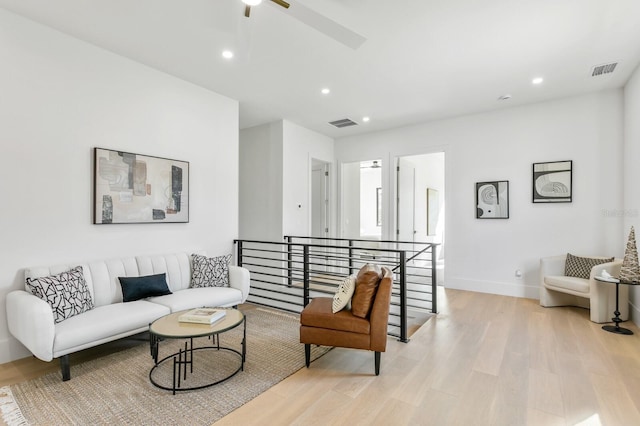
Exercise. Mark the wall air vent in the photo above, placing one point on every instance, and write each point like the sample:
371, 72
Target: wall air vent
345, 122
603, 69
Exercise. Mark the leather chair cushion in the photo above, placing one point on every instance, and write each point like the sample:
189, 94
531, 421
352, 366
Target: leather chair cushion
318, 313
365, 293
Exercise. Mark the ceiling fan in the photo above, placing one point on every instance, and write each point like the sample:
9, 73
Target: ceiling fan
249, 3
315, 20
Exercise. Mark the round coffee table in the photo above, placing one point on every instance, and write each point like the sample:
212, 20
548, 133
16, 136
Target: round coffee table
168, 327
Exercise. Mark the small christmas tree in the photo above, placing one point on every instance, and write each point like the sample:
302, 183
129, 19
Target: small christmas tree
630, 270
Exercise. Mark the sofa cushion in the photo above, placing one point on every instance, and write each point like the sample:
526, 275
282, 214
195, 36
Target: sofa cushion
199, 297
580, 267
67, 293
580, 285
345, 291
365, 293
103, 323
210, 271
136, 288
318, 313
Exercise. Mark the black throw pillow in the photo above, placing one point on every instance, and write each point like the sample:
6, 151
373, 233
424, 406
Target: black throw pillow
135, 288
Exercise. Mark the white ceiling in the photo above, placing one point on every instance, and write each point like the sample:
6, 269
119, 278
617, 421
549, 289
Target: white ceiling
422, 59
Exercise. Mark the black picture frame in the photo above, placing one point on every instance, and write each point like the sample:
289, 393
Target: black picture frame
492, 200
552, 182
136, 188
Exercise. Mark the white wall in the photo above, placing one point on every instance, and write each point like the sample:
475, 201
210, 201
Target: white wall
300, 147
261, 182
276, 162
60, 98
632, 172
482, 255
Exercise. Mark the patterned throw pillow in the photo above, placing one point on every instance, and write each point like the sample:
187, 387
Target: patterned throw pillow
210, 271
67, 293
580, 267
344, 293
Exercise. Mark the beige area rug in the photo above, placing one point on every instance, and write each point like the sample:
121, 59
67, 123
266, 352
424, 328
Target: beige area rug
115, 389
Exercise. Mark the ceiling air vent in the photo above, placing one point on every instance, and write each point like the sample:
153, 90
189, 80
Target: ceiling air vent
603, 69
345, 122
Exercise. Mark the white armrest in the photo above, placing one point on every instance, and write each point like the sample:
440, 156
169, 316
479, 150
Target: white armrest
613, 268
239, 278
30, 320
553, 265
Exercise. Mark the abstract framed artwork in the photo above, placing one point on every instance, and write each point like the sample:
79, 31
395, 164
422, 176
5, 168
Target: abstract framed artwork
135, 188
552, 182
492, 200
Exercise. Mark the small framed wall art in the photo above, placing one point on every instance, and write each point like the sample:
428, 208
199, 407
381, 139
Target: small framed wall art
492, 200
552, 182
134, 188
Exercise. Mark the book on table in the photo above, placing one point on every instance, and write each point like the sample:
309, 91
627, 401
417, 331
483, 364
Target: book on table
203, 315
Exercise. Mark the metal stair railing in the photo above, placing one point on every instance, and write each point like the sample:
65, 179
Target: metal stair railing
285, 275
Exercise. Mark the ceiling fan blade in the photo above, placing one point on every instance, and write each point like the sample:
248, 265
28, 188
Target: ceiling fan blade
247, 10
326, 26
281, 3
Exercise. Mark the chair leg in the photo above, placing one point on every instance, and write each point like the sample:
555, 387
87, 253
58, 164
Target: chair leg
64, 368
307, 354
377, 357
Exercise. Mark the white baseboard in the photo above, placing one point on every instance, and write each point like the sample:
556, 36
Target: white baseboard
503, 289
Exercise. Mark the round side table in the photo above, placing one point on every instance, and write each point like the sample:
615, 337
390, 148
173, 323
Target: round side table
616, 319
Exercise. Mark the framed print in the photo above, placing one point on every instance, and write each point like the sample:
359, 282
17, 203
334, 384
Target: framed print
135, 188
552, 182
492, 200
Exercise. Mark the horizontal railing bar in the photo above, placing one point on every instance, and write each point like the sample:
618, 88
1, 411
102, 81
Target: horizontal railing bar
358, 239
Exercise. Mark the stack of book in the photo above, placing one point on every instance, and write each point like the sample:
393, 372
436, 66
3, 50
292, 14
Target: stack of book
203, 315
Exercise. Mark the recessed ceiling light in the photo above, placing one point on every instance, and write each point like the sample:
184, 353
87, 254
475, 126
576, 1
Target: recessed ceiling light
252, 2
365, 119
227, 54
325, 91
537, 80
504, 97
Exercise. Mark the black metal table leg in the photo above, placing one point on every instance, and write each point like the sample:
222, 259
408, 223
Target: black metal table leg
616, 319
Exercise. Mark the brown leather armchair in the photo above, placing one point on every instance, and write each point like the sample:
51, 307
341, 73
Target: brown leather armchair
320, 326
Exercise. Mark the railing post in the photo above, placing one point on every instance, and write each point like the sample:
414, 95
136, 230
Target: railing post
403, 297
239, 255
306, 274
434, 281
289, 262
350, 257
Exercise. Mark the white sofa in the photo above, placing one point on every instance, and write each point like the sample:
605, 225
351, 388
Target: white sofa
31, 321
556, 289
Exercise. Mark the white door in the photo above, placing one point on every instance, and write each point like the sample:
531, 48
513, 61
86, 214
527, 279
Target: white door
405, 203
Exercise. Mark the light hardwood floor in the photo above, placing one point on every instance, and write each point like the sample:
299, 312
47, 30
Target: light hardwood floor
484, 360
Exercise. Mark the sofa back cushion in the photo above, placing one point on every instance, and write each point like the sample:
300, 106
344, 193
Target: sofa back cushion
101, 277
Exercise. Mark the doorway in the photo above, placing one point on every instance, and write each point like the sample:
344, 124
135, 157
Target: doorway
362, 200
319, 198
420, 202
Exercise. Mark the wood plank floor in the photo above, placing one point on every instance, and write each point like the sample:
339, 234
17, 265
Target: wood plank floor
484, 360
